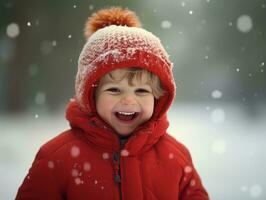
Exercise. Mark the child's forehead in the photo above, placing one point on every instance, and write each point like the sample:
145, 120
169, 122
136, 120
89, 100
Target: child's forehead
106, 80
118, 72
122, 75
111, 77
115, 74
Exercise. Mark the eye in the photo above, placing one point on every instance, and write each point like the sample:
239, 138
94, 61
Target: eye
113, 90
142, 91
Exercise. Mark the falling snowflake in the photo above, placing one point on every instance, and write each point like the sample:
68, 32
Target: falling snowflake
255, 191
218, 116
188, 169
105, 156
50, 164
75, 172
78, 181
54, 43
124, 152
216, 94
193, 182
166, 24
244, 23
12, 30
75, 151
87, 166
171, 156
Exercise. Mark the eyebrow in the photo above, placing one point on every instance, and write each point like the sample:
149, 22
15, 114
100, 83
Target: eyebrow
106, 84
107, 81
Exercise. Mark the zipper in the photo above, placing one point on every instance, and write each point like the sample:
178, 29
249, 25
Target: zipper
116, 160
117, 177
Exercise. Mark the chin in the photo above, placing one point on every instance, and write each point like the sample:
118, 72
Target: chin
124, 133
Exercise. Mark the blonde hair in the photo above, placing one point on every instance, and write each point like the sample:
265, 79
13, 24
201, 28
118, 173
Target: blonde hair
142, 76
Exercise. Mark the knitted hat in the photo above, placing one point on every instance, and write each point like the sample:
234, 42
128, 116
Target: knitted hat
115, 40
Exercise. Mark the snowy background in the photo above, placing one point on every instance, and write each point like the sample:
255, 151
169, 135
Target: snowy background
218, 50
228, 148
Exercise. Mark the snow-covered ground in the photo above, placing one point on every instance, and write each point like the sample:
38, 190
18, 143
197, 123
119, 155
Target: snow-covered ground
228, 147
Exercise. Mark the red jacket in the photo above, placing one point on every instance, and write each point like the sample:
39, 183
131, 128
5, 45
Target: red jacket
88, 162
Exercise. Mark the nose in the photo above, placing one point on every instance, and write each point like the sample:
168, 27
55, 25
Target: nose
128, 99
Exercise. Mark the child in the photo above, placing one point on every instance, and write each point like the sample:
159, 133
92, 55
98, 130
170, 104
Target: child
117, 146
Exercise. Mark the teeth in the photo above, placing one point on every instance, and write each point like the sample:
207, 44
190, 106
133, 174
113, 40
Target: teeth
126, 113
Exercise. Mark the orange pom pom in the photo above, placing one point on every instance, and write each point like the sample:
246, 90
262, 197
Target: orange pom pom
110, 16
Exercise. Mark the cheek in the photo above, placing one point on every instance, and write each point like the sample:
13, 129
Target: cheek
148, 106
104, 105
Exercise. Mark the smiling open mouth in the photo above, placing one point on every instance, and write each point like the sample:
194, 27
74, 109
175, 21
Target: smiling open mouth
126, 116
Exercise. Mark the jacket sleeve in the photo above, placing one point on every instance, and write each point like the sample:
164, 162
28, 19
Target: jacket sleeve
40, 182
191, 187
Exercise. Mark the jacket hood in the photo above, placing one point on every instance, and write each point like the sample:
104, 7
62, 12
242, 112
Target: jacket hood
115, 47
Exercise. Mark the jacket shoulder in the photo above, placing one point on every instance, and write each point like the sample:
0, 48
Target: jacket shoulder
56, 143
171, 146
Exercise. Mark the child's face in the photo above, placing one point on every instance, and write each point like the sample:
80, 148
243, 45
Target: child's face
122, 106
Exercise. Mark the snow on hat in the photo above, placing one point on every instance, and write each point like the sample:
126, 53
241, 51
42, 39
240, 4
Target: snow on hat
115, 40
